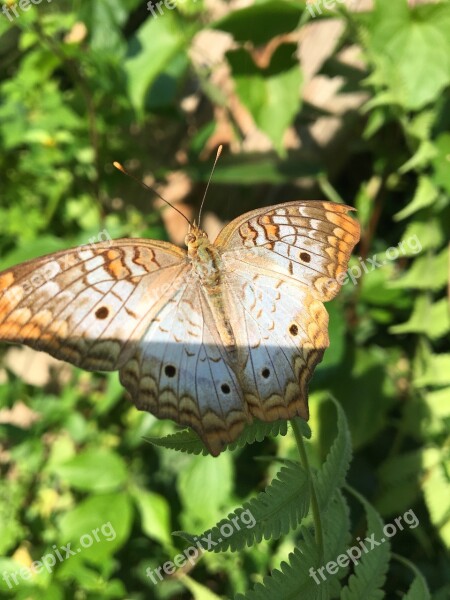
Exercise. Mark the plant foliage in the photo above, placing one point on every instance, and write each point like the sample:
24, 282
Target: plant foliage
361, 116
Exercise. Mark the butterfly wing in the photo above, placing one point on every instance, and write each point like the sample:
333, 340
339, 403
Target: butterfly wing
282, 335
308, 241
280, 263
88, 305
182, 370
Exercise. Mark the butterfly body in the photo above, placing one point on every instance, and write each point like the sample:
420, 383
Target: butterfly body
211, 336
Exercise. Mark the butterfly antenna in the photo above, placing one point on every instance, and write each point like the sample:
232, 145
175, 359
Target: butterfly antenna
147, 187
219, 152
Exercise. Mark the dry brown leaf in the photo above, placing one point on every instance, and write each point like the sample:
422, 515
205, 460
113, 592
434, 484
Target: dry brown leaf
176, 189
35, 368
20, 415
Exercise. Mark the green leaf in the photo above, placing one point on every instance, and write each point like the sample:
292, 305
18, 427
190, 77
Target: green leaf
332, 474
258, 430
188, 441
201, 508
198, 591
104, 19
441, 162
12, 529
398, 477
155, 516
40, 246
191, 7
182, 441
336, 331
260, 22
256, 168
426, 194
418, 589
415, 42
95, 470
105, 520
428, 318
438, 402
299, 578
420, 125
151, 50
375, 288
420, 159
426, 233
436, 487
370, 572
265, 91
436, 372
10, 568
427, 272
273, 513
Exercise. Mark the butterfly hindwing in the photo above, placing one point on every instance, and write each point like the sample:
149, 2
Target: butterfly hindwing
282, 336
181, 370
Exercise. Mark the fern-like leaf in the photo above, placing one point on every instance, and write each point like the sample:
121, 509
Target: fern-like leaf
299, 578
337, 537
182, 441
332, 474
189, 442
370, 571
281, 507
418, 589
257, 431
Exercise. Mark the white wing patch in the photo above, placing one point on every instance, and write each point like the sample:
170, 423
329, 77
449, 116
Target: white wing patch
282, 335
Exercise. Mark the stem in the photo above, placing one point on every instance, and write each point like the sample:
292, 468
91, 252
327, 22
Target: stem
314, 501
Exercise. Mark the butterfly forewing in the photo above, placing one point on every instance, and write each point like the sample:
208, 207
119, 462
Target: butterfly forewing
89, 304
307, 241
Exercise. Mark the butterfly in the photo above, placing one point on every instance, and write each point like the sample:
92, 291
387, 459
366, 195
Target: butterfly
210, 336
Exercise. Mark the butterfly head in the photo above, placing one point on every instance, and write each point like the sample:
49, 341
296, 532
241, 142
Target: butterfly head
195, 239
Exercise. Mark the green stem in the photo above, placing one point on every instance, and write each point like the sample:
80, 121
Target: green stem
314, 501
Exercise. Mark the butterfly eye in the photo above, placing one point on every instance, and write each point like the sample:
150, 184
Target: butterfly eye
102, 312
265, 373
293, 329
170, 370
225, 388
305, 257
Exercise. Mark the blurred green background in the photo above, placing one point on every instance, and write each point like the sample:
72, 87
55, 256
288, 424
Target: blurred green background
309, 103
